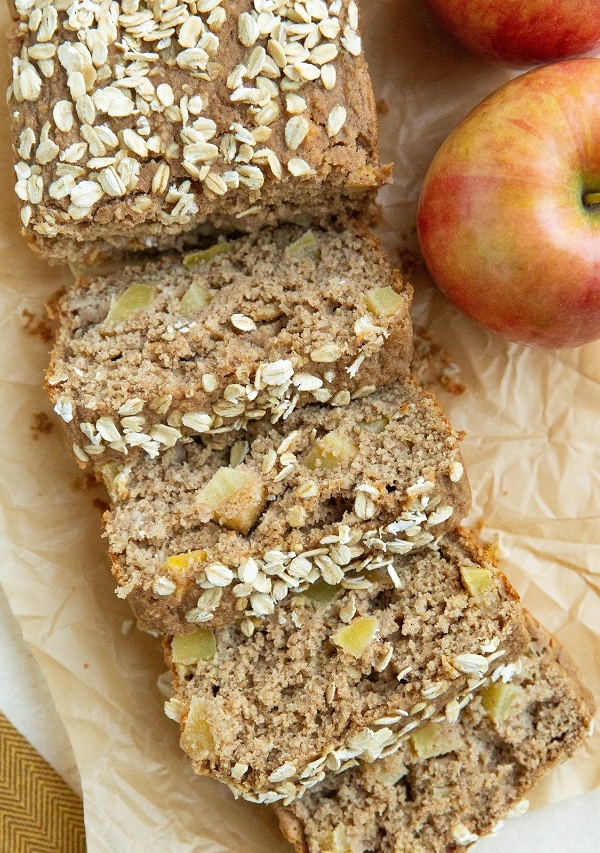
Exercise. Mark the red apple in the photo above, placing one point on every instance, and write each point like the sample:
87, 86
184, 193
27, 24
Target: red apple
509, 212
522, 32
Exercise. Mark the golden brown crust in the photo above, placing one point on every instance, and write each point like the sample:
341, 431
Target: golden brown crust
291, 828
554, 650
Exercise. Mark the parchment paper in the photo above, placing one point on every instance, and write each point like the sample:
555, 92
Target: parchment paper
532, 452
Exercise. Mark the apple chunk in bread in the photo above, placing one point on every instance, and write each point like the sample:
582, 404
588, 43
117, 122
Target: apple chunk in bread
355, 637
196, 297
330, 451
498, 698
479, 583
383, 301
196, 732
376, 426
436, 739
322, 593
337, 841
188, 649
184, 562
236, 498
137, 297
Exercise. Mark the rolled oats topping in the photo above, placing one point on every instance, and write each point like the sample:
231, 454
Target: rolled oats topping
209, 106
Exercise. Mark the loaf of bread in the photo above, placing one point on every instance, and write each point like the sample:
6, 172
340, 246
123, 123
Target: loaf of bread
342, 674
451, 783
285, 500
209, 342
136, 124
208, 534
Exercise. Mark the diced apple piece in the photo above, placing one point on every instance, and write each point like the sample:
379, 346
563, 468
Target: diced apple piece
337, 841
383, 301
436, 739
498, 698
374, 575
181, 562
137, 297
109, 471
321, 592
116, 476
375, 426
203, 255
196, 297
479, 583
296, 516
388, 771
190, 648
236, 497
361, 177
441, 792
196, 737
356, 637
304, 247
331, 450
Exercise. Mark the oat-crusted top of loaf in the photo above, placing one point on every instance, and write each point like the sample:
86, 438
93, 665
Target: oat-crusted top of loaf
135, 111
444, 802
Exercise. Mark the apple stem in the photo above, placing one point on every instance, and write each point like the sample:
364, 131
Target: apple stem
591, 198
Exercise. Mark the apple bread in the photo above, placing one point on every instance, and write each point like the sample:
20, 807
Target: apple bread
135, 123
213, 531
207, 343
343, 673
451, 783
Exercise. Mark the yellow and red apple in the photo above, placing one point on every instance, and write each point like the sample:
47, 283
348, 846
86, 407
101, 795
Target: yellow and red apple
509, 212
522, 32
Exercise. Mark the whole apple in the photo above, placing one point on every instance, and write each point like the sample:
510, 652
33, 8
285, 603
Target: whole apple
509, 212
522, 32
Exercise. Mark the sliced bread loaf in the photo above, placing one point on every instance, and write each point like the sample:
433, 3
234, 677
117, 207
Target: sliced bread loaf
344, 673
209, 534
450, 784
207, 343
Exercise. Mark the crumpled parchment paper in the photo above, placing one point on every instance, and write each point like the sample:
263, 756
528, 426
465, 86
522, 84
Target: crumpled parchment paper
532, 450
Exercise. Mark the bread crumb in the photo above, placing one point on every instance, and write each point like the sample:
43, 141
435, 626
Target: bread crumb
432, 366
35, 326
40, 425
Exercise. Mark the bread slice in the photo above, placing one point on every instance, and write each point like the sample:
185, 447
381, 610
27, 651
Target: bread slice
454, 783
207, 534
135, 126
208, 342
342, 674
